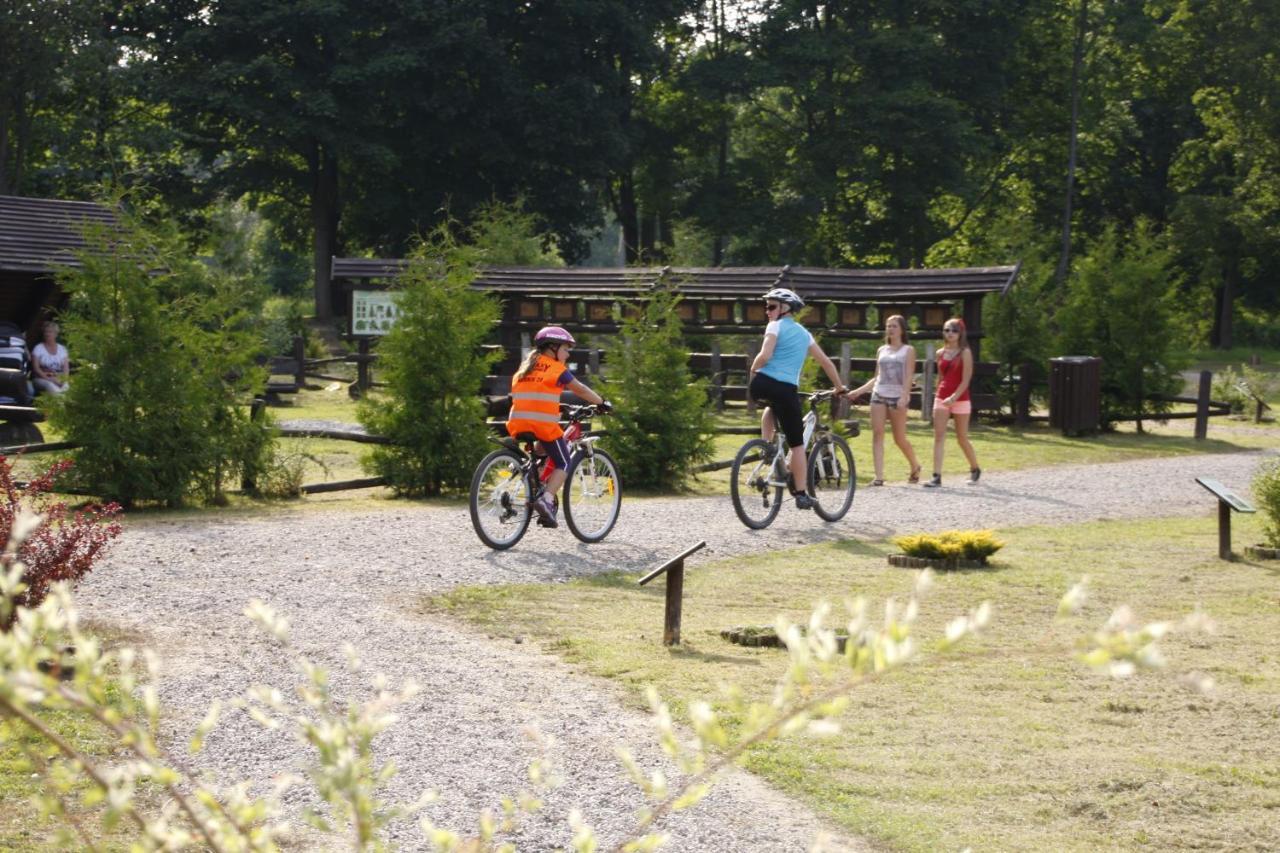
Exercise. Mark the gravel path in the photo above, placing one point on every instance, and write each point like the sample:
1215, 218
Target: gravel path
343, 578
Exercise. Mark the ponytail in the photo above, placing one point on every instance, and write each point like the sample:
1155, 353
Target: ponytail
529, 361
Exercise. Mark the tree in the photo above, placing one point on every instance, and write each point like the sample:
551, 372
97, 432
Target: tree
433, 366
1120, 307
166, 348
662, 421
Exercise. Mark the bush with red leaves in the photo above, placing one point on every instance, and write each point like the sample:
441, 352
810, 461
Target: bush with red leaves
63, 548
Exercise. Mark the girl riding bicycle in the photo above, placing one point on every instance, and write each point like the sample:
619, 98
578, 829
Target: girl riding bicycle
535, 408
775, 380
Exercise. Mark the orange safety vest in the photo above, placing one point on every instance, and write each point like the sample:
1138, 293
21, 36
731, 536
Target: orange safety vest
535, 401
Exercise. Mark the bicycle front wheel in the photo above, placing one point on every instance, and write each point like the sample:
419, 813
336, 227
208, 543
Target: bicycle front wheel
592, 496
755, 499
500, 501
832, 477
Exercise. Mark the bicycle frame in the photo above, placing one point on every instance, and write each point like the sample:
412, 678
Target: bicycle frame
813, 428
573, 434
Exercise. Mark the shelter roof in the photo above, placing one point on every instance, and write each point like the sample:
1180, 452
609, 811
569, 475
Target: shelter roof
717, 282
37, 235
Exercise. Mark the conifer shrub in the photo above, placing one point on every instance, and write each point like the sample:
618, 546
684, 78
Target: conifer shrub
976, 545
433, 367
1120, 306
1266, 488
165, 347
661, 425
64, 548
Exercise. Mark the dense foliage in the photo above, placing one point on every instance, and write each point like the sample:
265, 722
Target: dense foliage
1120, 307
1266, 488
166, 351
64, 548
781, 132
662, 423
433, 367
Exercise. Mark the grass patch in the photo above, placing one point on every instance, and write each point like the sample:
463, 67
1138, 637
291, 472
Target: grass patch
1009, 744
21, 825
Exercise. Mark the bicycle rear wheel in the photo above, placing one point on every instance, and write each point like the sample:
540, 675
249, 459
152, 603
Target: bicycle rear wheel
500, 502
592, 496
755, 500
832, 477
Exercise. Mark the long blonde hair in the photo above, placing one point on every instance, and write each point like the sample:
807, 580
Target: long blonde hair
531, 359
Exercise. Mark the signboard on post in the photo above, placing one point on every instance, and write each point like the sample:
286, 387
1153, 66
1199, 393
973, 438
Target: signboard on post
373, 312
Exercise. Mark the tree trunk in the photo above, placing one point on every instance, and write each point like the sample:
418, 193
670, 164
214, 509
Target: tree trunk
627, 215
1223, 336
324, 225
5, 189
1077, 60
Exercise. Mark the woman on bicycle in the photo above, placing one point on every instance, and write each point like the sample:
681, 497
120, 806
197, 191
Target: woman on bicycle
775, 380
535, 408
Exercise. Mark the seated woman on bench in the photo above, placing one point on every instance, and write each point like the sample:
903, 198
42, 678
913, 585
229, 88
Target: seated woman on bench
50, 363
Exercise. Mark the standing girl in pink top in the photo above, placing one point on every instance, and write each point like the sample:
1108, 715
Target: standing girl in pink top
955, 372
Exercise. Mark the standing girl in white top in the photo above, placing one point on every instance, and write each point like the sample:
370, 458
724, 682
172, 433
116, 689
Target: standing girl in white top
49, 362
891, 396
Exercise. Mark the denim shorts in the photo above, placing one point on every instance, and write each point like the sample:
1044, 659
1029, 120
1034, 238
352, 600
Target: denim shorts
891, 402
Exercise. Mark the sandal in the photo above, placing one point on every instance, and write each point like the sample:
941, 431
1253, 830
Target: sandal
915, 475
935, 482
877, 482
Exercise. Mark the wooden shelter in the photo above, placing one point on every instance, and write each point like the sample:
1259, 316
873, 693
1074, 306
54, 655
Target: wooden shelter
721, 300
37, 237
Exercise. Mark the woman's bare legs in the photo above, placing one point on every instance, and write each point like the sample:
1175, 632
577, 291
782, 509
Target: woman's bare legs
940, 416
898, 417
878, 415
767, 427
962, 439
799, 474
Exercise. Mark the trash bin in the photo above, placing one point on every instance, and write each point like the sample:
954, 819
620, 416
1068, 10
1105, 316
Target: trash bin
1075, 392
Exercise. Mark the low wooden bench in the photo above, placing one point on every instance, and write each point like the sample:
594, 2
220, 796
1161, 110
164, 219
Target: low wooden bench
1228, 502
17, 420
292, 366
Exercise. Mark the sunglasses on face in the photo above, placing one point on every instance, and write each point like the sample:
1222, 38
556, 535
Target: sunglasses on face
951, 330
772, 307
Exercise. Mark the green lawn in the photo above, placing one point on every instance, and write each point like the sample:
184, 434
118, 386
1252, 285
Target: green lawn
1010, 743
21, 825
1007, 448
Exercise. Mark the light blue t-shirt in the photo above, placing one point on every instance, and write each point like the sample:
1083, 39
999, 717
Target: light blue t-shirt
789, 354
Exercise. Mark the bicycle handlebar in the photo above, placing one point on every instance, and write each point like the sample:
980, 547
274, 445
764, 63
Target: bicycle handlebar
582, 413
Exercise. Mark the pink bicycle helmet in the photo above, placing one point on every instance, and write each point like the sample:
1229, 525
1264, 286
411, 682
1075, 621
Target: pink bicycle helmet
553, 333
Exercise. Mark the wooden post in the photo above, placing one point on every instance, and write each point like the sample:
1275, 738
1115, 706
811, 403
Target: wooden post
717, 377
1228, 502
840, 409
674, 570
593, 361
1202, 406
249, 475
926, 385
300, 359
362, 369
1022, 403
674, 599
1224, 530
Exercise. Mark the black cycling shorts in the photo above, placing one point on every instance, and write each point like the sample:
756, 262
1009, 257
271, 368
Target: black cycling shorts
783, 399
